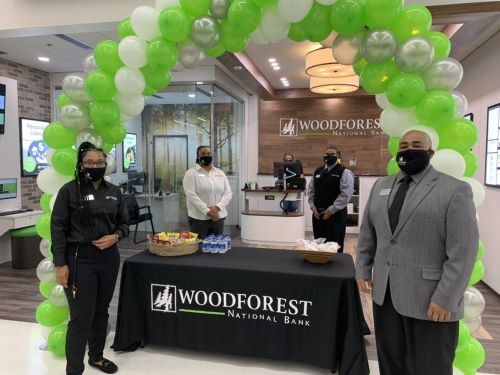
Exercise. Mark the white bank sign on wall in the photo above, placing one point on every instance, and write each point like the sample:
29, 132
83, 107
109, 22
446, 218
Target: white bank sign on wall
294, 127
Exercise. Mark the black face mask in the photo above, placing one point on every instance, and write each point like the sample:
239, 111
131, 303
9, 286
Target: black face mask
205, 160
413, 161
330, 159
94, 174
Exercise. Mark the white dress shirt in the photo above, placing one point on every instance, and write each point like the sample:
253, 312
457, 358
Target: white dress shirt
204, 189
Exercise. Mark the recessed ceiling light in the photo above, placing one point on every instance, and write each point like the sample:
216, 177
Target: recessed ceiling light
44, 59
275, 64
272, 59
286, 84
237, 67
276, 67
192, 95
199, 82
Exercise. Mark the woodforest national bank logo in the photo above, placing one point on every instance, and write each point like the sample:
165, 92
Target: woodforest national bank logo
288, 127
164, 298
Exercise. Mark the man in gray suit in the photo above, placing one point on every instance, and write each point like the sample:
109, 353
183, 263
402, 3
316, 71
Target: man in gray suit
417, 246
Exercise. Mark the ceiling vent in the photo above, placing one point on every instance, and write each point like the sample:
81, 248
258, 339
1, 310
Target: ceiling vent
73, 41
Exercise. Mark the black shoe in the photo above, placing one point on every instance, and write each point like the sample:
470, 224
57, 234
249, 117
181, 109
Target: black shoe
106, 366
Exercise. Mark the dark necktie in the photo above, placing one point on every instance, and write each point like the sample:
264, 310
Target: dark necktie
397, 202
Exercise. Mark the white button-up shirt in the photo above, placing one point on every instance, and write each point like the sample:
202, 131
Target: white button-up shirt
205, 189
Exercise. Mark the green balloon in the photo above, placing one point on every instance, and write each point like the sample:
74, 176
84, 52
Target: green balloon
412, 21
359, 66
347, 16
56, 341
56, 135
265, 3
232, 40
216, 51
100, 85
62, 100
108, 147
376, 77
459, 134
244, 16
380, 13
44, 202
470, 356
436, 108
43, 226
296, 33
405, 90
393, 145
104, 114
49, 315
125, 28
29, 164
162, 53
480, 250
114, 134
45, 288
392, 167
463, 334
148, 91
477, 273
174, 24
64, 161
316, 26
106, 56
441, 43
471, 163
156, 78
196, 8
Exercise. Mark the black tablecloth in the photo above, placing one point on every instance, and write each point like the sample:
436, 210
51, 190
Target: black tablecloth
256, 302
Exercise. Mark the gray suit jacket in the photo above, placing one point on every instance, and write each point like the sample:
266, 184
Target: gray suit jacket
430, 255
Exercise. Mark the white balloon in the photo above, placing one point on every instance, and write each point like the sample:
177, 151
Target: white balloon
111, 166
162, 4
50, 153
132, 52
45, 271
474, 324
74, 87
144, 21
462, 103
431, 132
258, 37
49, 181
293, 10
478, 192
124, 117
449, 161
129, 81
89, 64
273, 27
473, 303
382, 100
394, 122
52, 202
326, 2
130, 105
45, 247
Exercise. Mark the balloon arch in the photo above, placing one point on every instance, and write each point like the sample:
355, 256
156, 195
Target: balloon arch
391, 47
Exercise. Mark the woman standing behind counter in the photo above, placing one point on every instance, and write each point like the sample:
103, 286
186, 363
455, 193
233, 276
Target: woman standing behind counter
207, 195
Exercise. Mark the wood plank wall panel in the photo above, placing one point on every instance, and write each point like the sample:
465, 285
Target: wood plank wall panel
368, 147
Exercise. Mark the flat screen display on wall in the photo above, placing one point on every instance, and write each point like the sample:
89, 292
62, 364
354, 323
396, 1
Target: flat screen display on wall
130, 152
3, 89
33, 148
492, 175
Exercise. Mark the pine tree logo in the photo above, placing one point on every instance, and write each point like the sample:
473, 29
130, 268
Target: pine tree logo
288, 127
163, 298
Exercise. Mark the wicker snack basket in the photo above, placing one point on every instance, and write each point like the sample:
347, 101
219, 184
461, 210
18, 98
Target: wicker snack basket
318, 257
172, 250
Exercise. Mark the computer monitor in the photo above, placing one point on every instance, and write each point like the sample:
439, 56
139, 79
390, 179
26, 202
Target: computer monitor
8, 188
287, 170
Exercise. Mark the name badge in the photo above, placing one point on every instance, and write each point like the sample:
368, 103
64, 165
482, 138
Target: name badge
385, 192
201, 174
318, 176
90, 197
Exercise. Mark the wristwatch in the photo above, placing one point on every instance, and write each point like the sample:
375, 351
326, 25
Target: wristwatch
117, 237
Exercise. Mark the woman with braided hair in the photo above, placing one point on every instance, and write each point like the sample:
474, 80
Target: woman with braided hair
88, 220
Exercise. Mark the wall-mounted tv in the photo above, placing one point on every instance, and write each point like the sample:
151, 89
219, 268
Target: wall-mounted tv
130, 152
3, 90
33, 148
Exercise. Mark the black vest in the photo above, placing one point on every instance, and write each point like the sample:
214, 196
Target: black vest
327, 185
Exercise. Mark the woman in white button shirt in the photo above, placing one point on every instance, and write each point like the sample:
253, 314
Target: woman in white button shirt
207, 195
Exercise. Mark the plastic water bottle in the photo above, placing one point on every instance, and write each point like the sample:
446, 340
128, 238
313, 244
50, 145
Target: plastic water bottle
221, 246
228, 239
205, 246
213, 245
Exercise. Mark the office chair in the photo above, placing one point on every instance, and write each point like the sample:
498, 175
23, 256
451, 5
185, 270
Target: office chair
135, 215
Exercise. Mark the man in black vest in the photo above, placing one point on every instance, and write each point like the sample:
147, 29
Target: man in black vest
329, 191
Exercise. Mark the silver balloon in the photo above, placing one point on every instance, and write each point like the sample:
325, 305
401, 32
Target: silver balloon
45, 247
205, 32
111, 164
45, 271
75, 116
444, 74
473, 303
178, 67
219, 8
346, 49
190, 55
378, 46
414, 55
74, 87
474, 324
89, 64
57, 296
462, 103
89, 135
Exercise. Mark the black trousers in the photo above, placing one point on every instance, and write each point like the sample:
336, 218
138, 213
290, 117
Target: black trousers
332, 229
408, 346
94, 274
205, 227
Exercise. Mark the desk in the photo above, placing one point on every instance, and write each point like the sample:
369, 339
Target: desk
252, 302
20, 220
